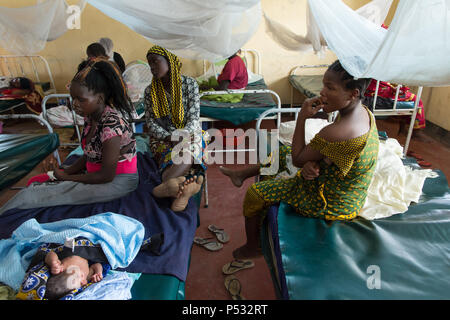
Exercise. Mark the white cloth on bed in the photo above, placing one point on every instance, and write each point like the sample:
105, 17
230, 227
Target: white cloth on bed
119, 236
61, 116
394, 186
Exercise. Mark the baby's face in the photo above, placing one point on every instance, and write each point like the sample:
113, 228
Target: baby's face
77, 277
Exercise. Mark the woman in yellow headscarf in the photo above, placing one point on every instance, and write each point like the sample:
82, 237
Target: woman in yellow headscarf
173, 108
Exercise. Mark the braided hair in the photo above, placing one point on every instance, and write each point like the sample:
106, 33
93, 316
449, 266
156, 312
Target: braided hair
103, 76
350, 83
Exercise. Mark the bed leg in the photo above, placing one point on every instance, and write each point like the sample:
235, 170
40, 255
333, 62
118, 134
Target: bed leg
206, 190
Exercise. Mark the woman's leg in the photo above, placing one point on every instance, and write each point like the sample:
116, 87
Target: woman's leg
259, 197
238, 176
73, 193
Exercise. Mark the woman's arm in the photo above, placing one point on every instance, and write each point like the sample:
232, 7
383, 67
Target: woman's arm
110, 157
77, 166
193, 108
302, 153
154, 128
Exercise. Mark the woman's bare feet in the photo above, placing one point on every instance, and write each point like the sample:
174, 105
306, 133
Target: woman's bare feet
246, 252
191, 187
170, 188
236, 176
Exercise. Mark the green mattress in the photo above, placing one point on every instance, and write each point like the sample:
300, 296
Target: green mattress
405, 256
20, 153
248, 109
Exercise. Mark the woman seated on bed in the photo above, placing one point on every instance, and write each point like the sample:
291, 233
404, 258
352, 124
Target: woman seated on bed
108, 168
337, 165
172, 105
233, 76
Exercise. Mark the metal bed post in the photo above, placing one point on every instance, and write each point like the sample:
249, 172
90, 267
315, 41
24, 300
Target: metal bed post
44, 114
413, 119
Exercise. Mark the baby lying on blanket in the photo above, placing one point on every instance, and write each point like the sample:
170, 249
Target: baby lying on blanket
61, 271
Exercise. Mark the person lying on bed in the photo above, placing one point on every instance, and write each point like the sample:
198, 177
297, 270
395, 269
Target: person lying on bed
172, 105
69, 273
337, 165
108, 168
233, 76
19, 86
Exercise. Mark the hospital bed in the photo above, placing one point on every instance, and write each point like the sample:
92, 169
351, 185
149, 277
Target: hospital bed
20, 153
257, 99
404, 256
33, 67
162, 277
311, 84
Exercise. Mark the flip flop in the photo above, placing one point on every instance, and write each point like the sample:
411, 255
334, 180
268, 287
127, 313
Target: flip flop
414, 155
221, 235
236, 265
208, 243
233, 286
424, 164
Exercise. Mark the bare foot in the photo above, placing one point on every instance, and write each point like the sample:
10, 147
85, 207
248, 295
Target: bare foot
181, 202
169, 188
235, 176
246, 252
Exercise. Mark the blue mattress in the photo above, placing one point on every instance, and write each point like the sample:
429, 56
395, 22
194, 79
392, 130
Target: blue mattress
249, 108
163, 276
405, 256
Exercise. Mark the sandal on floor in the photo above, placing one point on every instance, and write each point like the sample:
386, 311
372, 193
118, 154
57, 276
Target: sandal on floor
208, 243
233, 286
221, 235
414, 155
236, 265
424, 164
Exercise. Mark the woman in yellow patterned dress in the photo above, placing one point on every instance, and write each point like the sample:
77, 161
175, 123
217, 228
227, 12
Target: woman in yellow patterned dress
336, 166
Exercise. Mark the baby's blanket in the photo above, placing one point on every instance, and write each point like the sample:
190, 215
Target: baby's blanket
119, 236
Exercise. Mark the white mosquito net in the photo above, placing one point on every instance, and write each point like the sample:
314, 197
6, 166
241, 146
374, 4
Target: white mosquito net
26, 30
414, 50
195, 29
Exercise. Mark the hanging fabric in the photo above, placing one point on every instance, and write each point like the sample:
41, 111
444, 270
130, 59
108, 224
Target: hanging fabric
26, 30
414, 50
375, 11
195, 29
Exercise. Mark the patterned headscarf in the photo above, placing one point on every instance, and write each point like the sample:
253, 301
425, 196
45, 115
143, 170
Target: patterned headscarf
159, 99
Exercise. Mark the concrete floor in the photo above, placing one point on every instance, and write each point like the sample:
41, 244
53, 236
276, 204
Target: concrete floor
205, 280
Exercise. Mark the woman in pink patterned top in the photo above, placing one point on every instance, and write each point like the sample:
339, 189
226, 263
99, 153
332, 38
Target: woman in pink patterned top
108, 167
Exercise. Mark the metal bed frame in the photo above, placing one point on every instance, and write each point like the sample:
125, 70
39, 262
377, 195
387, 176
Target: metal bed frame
377, 112
27, 66
256, 63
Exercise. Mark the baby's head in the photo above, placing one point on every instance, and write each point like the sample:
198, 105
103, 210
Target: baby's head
62, 283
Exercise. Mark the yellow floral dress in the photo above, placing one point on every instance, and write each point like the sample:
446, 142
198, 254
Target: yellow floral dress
340, 190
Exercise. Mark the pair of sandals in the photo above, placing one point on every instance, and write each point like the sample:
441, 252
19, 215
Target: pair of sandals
232, 283
210, 243
420, 160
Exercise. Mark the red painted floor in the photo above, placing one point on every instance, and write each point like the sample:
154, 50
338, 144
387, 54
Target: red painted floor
205, 280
